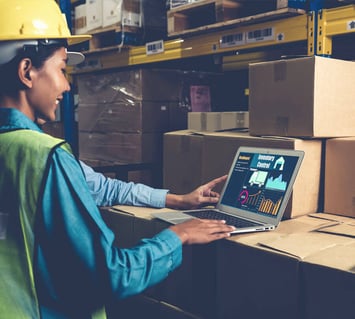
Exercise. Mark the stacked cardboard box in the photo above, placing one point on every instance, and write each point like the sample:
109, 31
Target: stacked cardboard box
304, 101
311, 98
123, 115
191, 159
302, 270
146, 20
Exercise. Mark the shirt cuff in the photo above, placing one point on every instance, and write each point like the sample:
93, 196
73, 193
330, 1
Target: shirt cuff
174, 243
158, 198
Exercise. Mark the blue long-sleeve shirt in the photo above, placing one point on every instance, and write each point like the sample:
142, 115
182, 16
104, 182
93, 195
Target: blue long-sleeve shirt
77, 267
108, 191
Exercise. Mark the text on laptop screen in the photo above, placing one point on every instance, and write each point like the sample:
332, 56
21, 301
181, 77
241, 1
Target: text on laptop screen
259, 182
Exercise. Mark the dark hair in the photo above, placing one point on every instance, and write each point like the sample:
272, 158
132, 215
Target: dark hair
38, 54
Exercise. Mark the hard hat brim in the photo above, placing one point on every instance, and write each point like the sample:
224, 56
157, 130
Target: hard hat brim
75, 58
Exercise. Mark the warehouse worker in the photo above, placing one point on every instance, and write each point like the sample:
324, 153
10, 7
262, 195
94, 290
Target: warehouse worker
57, 258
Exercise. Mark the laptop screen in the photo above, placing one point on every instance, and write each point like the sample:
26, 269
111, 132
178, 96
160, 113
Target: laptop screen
258, 182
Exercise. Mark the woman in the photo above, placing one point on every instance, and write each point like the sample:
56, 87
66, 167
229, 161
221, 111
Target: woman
57, 258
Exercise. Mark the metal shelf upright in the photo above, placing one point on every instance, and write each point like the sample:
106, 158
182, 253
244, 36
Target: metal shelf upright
68, 113
331, 23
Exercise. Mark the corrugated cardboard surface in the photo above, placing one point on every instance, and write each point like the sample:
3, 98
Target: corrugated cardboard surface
193, 158
182, 161
121, 147
304, 269
135, 117
217, 121
187, 286
288, 272
339, 194
304, 97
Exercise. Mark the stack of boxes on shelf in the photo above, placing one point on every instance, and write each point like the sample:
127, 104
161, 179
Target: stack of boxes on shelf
134, 21
310, 98
123, 115
305, 268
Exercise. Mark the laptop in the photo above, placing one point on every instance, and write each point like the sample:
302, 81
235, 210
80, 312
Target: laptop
255, 194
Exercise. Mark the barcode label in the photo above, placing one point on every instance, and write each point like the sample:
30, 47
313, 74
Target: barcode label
266, 34
232, 40
154, 47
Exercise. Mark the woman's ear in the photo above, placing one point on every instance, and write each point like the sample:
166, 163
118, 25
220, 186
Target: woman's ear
24, 72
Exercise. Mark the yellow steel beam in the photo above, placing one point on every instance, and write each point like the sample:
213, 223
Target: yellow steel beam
333, 22
274, 32
251, 36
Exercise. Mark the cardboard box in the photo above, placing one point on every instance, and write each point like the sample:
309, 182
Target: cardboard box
340, 176
80, 26
304, 269
329, 275
138, 85
93, 14
217, 121
304, 97
187, 287
136, 117
263, 273
121, 147
121, 12
191, 159
182, 161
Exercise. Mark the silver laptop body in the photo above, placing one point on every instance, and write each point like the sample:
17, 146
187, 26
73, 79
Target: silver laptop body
257, 190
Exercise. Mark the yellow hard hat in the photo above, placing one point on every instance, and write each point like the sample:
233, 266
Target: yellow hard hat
22, 20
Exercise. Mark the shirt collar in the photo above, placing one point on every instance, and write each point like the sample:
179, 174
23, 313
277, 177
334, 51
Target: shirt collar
13, 119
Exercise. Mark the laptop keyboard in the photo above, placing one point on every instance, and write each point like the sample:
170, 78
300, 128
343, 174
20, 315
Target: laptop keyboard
230, 220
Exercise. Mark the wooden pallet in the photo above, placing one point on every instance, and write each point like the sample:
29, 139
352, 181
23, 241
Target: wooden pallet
112, 37
205, 15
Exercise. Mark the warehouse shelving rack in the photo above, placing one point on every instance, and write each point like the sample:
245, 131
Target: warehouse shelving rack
217, 42
315, 30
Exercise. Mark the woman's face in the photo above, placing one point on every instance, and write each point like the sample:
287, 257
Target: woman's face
48, 85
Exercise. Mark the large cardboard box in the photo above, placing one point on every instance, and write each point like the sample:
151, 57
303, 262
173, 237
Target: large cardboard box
328, 276
186, 287
304, 97
121, 147
340, 176
191, 159
262, 274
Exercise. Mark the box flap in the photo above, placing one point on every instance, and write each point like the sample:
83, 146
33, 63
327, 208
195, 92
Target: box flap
299, 225
332, 217
140, 212
340, 229
340, 257
302, 245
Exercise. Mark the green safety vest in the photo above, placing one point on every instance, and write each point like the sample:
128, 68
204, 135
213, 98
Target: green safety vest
23, 164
